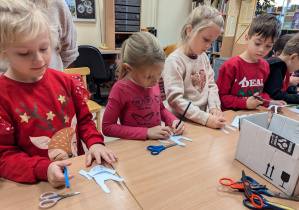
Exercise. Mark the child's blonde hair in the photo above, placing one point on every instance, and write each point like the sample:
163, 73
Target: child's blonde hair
141, 51
23, 21
292, 46
200, 18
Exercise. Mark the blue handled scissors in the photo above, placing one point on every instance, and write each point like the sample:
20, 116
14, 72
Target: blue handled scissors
49, 199
254, 184
266, 204
266, 191
155, 150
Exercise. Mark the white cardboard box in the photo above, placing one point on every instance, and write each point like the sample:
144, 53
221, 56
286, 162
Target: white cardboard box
271, 151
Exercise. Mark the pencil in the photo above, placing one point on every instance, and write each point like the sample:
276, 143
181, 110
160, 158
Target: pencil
67, 184
183, 115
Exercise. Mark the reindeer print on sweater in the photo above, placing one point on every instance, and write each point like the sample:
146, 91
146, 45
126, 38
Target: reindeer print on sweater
63, 144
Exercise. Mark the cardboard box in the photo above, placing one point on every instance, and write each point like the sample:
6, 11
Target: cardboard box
271, 151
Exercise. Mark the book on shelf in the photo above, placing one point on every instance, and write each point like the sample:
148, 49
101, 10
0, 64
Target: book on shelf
295, 22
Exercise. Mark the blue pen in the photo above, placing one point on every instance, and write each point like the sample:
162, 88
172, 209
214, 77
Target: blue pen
67, 184
183, 115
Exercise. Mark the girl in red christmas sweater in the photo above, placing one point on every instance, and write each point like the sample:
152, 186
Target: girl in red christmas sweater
43, 115
243, 76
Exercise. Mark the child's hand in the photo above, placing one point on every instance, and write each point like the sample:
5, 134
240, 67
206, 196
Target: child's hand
158, 132
294, 81
215, 122
278, 102
253, 103
98, 151
55, 173
180, 129
216, 112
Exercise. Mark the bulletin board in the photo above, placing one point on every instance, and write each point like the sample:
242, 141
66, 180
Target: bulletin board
82, 10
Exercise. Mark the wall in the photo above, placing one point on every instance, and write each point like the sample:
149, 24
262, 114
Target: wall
171, 16
89, 33
166, 15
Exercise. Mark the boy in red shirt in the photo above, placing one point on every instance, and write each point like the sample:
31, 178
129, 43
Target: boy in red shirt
243, 76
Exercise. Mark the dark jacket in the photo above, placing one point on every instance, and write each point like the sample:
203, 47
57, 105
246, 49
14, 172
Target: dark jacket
274, 83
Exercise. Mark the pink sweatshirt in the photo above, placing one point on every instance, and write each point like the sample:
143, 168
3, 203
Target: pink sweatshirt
138, 108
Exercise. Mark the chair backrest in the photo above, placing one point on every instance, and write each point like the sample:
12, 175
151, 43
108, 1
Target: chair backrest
83, 71
92, 58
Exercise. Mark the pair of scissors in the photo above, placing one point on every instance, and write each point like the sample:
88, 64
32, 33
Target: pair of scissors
155, 150
239, 185
252, 197
266, 204
260, 98
268, 192
49, 199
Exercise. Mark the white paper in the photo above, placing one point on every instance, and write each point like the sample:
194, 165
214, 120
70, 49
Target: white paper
246, 12
166, 142
275, 107
225, 131
295, 110
235, 123
230, 127
176, 139
101, 174
231, 26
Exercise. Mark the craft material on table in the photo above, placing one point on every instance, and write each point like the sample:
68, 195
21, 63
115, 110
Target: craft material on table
101, 174
268, 192
276, 107
49, 199
235, 123
67, 183
177, 138
165, 142
266, 204
250, 196
183, 115
295, 110
155, 150
225, 131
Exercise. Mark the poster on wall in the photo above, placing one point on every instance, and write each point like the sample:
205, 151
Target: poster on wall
82, 10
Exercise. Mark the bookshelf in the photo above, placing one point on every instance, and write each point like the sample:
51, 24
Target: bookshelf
122, 19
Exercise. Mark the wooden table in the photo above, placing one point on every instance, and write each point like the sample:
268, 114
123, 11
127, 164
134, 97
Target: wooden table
178, 178
26, 196
187, 177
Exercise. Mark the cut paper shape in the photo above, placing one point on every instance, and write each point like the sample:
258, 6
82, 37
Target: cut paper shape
295, 110
176, 139
84, 173
235, 123
275, 107
225, 131
230, 127
101, 174
166, 142
98, 169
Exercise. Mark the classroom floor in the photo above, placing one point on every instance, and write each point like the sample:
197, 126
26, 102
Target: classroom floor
106, 138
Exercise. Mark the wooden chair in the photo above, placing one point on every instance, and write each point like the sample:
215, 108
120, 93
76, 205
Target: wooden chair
93, 106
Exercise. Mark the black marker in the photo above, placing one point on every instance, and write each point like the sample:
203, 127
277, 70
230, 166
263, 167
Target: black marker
183, 115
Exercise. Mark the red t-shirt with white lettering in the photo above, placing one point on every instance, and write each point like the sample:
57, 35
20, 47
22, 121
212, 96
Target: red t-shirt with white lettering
238, 80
